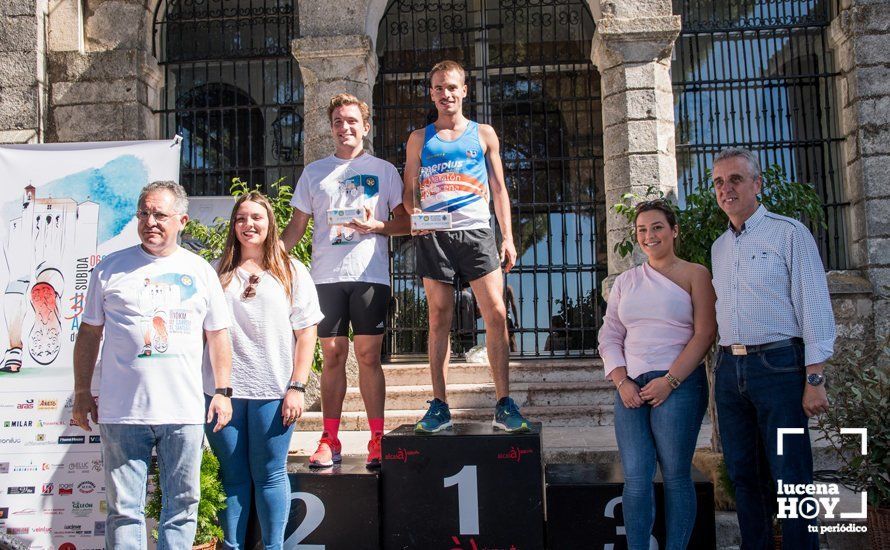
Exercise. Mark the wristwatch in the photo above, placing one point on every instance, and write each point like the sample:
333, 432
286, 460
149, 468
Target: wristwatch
815, 379
298, 386
224, 391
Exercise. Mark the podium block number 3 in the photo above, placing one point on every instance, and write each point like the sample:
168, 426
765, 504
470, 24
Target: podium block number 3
467, 499
314, 517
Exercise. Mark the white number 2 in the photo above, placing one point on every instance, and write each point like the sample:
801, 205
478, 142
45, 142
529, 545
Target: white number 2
314, 517
467, 499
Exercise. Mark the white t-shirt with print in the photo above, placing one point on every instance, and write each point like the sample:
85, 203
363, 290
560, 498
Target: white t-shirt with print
340, 254
154, 310
262, 332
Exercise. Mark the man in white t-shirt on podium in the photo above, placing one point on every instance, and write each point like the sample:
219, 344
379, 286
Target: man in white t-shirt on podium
350, 265
154, 302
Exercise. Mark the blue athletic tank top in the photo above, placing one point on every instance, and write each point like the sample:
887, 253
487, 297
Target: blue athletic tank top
454, 178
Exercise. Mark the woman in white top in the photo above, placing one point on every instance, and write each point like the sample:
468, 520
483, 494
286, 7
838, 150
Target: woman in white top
274, 312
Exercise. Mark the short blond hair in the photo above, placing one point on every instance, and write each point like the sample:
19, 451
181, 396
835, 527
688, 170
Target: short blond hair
342, 100
449, 65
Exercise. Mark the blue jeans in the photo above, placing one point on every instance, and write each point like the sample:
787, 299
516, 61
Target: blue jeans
252, 453
666, 434
126, 450
757, 394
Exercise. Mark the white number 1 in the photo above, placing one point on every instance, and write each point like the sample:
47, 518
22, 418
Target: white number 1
467, 499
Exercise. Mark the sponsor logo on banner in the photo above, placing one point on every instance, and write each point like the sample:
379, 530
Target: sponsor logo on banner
69, 403
99, 529
47, 423
70, 439
17, 530
43, 529
66, 488
103, 506
25, 512
29, 467
17, 423
97, 462
82, 466
67, 546
10, 440
4, 512
21, 490
95, 439
4, 467
47, 489
86, 487
47, 466
25, 405
53, 511
81, 509
47, 404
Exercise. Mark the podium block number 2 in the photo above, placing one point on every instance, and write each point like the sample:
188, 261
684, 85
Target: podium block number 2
314, 517
467, 499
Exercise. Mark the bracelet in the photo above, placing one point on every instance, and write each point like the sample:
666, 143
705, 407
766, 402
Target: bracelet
618, 387
672, 380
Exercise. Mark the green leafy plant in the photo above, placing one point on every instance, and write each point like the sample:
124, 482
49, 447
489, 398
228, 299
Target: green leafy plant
213, 500
701, 221
212, 237
859, 393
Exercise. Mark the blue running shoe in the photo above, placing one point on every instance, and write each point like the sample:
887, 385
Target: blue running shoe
508, 418
436, 419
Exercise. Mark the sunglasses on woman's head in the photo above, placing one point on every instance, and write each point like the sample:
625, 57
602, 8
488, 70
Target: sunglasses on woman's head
250, 291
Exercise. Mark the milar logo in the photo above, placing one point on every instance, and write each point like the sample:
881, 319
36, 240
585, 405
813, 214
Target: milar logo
47, 404
21, 490
86, 487
18, 424
70, 439
27, 404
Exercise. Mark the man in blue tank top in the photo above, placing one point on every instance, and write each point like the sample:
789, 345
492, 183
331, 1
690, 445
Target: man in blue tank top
457, 165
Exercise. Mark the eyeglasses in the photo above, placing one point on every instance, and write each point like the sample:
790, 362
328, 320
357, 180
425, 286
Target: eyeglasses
160, 217
250, 291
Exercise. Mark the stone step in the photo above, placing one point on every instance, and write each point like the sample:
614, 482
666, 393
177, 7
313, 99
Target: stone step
409, 374
547, 415
472, 396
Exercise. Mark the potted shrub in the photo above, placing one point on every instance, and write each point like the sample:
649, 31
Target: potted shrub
859, 393
213, 499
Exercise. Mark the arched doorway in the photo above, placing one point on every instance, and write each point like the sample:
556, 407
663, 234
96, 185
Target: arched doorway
232, 90
530, 77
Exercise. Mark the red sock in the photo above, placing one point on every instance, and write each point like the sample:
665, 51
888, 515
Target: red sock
376, 425
331, 427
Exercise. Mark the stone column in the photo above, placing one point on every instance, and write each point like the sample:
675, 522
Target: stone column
22, 71
860, 39
331, 65
633, 54
104, 80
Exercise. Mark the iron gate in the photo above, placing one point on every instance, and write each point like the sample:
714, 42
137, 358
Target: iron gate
758, 74
233, 90
529, 75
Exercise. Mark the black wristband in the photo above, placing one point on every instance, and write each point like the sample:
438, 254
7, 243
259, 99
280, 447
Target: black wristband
298, 386
224, 391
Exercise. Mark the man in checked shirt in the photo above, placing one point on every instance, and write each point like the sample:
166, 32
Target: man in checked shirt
776, 331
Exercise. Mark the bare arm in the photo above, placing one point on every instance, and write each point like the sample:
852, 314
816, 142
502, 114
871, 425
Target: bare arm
304, 351
86, 352
501, 199
220, 348
412, 170
295, 229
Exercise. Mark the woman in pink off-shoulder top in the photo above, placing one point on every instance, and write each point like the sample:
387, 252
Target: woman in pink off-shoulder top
659, 324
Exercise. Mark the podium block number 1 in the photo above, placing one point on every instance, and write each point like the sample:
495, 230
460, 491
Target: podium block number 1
314, 517
467, 499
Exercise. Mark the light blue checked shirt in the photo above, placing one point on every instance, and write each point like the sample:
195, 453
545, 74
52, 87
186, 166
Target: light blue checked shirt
771, 286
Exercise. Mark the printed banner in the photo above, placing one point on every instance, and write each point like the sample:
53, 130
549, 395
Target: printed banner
63, 207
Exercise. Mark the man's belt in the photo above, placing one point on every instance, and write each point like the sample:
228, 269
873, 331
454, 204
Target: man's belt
742, 349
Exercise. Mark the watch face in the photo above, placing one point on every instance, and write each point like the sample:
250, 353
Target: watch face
815, 379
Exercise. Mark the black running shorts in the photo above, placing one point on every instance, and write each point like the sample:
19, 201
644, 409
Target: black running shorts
362, 304
447, 256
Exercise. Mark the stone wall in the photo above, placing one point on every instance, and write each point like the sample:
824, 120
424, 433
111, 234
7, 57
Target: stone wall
103, 78
860, 39
22, 70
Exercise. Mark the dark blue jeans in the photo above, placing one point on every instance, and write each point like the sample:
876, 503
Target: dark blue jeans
667, 435
756, 395
252, 453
